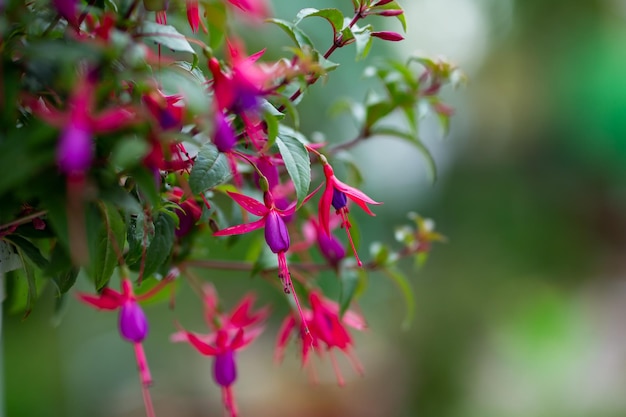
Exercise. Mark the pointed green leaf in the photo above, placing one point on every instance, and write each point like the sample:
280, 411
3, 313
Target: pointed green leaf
295, 33
334, 17
297, 162
363, 41
161, 245
349, 283
166, 35
106, 235
210, 169
30, 250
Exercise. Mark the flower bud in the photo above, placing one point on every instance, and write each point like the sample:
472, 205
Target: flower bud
276, 234
133, 324
381, 3
388, 36
391, 12
224, 368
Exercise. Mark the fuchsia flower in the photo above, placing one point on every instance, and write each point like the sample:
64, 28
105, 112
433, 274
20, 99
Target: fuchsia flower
257, 9
330, 247
167, 111
276, 234
326, 330
132, 322
75, 148
336, 194
229, 333
188, 214
193, 16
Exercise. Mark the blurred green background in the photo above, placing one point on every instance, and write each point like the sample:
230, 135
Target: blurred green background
518, 315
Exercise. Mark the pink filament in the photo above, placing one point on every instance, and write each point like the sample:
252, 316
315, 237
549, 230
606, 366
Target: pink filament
346, 224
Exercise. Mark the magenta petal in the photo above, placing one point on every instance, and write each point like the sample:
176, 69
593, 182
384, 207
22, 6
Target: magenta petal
276, 234
249, 204
75, 149
200, 346
224, 368
67, 9
112, 120
324, 209
223, 135
133, 324
241, 228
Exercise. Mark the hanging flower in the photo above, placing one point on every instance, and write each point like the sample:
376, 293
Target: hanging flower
276, 234
336, 194
230, 333
326, 329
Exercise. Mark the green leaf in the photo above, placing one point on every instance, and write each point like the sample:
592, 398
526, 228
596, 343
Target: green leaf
217, 20
140, 233
297, 35
407, 293
61, 270
210, 169
414, 140
349, 280
29, 249
363, 41
31, 294
129, 151
297, 162
9, 258
334, 17
376, 111
106, 235
161, 245
167, 36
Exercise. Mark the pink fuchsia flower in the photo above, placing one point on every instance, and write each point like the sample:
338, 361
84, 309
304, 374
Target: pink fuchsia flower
67, 9
257, 9
336, 194
79, 123
327, 331
166, 155
224, 137
276, 234
329, 246
167, 111
230, 333
188, 213
193, 16
132, 323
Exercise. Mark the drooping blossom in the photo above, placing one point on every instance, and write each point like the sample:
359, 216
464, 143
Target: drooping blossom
256, 9
326, 331
167, 111
75, 148
336, 193
276, 233
229, 333
193, 16
132, 322
188, 211
329, 246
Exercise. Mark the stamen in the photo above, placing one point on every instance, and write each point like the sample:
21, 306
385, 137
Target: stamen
289, 288
333, 360
346, 224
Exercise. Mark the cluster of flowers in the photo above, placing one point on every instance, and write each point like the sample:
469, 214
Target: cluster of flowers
189, 157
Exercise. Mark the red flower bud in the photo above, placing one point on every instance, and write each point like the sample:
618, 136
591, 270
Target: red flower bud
388, 36
391, 12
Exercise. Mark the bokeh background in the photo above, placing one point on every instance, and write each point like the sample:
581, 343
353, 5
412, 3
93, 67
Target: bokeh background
520, 314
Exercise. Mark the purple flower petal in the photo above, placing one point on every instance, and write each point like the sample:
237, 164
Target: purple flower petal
276, 234
75, 149
224, 368
133, 324
339, 199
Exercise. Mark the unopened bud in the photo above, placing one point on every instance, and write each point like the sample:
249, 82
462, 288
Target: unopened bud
388, 36
391, 12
